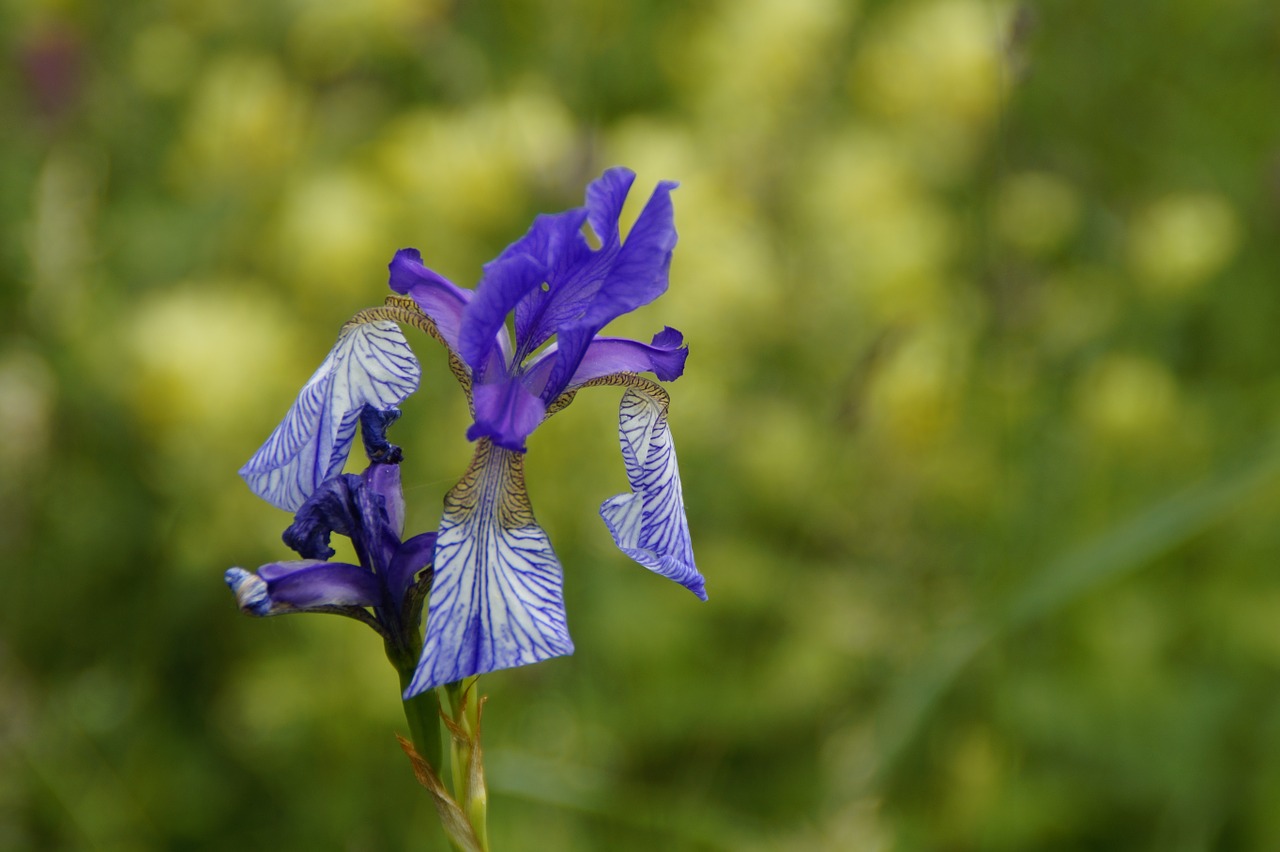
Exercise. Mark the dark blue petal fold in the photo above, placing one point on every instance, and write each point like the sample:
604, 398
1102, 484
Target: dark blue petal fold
330, 509
411, 557
380, 504
374, 423
368, 509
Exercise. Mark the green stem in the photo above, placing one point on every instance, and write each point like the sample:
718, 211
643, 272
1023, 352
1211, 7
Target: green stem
422, 712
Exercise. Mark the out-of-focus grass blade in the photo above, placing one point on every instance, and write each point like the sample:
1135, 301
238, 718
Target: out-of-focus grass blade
1124, 549
548, 782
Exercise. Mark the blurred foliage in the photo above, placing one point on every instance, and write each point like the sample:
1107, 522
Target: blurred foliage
978, 432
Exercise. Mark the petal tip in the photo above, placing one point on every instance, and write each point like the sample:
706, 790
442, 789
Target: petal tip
250, 591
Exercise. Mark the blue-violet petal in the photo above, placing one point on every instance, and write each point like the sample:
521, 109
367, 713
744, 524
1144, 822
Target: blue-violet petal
637, 274
507, 412
302, 585
438, 297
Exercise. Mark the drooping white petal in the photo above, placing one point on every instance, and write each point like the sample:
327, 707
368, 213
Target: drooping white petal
371, 364
497, 599
649, 524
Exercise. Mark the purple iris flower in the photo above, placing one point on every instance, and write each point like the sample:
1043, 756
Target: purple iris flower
369, 510
496, 599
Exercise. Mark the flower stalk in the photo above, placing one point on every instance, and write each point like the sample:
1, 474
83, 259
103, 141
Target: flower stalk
422, 712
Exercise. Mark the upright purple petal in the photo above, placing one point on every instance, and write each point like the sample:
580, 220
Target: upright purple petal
438, 297
384, 481
637, 275
605, 197
505, 282
496, 598
639, 272
590, 288
649, 524
371, 364
572, 275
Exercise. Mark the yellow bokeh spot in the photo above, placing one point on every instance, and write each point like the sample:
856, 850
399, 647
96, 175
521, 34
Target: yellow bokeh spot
466, 169
1129, 400
1180, 241
976, 773
933, 60
327, 36
246, 120
332, 238
886, 241
207, 354
757, 54
28, 388
912, 399
785, 450
1036, 211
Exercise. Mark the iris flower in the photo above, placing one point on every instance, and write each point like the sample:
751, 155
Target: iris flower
496, 597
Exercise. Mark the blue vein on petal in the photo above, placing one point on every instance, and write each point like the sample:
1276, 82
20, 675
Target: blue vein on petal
497, 599
371, 364
649, 524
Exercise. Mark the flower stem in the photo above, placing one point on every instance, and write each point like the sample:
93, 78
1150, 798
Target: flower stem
422, 712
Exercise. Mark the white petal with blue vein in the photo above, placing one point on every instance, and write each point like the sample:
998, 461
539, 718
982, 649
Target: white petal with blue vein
649, 524
497, 599
371, 364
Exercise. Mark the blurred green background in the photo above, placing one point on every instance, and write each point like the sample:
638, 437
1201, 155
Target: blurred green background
978, 433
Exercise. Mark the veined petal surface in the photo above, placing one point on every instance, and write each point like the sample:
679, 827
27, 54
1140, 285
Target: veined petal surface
371, 364
497, 599
649, 524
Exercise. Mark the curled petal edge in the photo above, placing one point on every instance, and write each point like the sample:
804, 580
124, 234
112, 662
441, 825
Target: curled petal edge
372, 365
438, 298
649, 524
